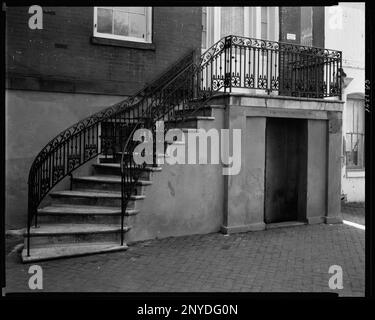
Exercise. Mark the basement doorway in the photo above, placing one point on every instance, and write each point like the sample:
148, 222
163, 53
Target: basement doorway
286, 170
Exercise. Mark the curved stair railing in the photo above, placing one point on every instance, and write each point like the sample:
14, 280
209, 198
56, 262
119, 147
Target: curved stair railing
100, 133
232, 62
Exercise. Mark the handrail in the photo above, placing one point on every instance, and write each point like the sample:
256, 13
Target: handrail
125, 196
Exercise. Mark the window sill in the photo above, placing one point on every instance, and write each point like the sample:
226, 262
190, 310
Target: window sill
123, 43
355, 173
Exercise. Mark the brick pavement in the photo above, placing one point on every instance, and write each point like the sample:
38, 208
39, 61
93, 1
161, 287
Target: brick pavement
279, 260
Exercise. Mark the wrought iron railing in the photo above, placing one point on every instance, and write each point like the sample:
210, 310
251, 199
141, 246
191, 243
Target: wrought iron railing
231, 63
287, 69
102, 132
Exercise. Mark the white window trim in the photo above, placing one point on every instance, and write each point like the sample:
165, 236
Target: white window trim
148, 38
355, 173
252, 23
208, 13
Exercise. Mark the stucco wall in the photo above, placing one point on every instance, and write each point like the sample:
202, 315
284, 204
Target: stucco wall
354, 188
316, 170
32, 119
184, 198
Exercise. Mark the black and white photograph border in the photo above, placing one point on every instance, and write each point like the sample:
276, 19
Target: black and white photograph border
185, 149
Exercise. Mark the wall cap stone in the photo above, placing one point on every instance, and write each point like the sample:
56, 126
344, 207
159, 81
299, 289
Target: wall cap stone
266, 96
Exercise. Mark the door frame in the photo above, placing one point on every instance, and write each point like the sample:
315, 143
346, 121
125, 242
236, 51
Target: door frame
252, 24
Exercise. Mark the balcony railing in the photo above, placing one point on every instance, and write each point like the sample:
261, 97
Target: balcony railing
286, 69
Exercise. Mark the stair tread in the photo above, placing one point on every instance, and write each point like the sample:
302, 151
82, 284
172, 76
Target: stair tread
64, 251
74, 228
109, 179
120, 153
117, 165
193, 118
87, 193
81, 209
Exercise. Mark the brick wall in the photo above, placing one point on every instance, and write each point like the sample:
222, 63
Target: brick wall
63, 58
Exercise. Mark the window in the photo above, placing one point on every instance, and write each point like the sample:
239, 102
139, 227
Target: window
232, 21
355, 134
123, 23
306, 26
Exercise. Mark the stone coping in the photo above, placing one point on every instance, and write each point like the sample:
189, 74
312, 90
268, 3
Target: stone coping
279, 102
266, 96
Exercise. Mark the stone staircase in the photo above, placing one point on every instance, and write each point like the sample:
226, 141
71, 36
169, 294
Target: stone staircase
87, 219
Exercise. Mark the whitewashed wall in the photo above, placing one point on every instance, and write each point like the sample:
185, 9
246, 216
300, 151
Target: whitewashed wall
345, 31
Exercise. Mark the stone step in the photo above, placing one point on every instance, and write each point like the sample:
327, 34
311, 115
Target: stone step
49, 235
92, 198
114, 169
284, 224
116, 158
201, 111
106, 182
188, 122
82, 214
124, 121
118, 155
70, 250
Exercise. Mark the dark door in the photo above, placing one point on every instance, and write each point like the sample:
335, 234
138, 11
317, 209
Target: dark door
285, 180
300, 72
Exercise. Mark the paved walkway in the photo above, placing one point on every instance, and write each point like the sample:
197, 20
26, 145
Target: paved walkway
354, 212
279, 260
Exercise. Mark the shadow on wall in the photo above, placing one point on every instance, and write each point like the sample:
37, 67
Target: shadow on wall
32, 120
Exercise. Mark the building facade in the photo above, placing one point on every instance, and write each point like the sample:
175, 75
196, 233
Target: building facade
345, 30
260, 71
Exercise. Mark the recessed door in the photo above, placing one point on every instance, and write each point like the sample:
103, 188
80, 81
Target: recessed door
285, 179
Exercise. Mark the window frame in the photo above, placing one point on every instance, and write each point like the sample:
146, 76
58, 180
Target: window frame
148, 38
361, 166
204, 45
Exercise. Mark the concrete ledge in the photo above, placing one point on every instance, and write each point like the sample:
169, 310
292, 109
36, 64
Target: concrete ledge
15, 232
123, 43
315, 220
333, 220
244, 228
227, 95
285, 224
285, 113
